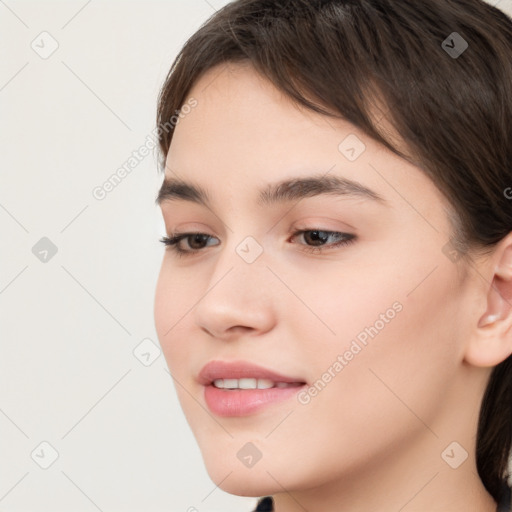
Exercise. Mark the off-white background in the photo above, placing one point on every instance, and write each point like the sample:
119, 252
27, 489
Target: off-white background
70, 326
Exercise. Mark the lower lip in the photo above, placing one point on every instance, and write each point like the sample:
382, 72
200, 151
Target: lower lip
242, 402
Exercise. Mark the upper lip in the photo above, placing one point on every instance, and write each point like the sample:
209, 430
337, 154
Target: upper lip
239, 370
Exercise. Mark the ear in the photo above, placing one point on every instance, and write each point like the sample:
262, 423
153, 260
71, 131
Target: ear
491, 337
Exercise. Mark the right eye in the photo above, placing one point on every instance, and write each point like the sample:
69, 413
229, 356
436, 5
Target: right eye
174, 242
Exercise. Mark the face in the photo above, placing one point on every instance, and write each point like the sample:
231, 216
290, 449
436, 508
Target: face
352, 296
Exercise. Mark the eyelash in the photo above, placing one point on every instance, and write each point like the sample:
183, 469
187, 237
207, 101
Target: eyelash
173, 241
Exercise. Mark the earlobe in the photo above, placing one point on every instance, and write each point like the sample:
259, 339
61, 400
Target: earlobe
491, 341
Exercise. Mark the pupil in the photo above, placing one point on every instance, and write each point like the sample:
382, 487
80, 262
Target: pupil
315, 235
198, 238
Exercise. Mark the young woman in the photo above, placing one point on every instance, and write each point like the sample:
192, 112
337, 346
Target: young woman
334, 302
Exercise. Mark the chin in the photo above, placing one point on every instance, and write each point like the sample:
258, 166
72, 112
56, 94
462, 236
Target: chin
251, 483
267, 476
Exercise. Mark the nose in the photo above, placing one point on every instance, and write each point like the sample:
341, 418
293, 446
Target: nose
238, 299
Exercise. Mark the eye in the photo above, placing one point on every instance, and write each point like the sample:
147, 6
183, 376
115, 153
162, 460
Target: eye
174, 242
318, 237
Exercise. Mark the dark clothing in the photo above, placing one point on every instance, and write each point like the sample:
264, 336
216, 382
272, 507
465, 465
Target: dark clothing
506, 503
266, 504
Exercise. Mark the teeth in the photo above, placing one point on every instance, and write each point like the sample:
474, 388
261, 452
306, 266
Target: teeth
249, 384
230, 383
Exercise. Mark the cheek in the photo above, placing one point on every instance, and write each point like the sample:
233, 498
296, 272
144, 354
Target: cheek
172, 303
392, 388
395, 342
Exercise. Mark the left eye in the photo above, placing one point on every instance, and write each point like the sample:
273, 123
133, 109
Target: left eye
317, 236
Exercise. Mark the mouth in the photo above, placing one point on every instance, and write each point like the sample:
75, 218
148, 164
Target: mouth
243, 375
232, 402
239, 388
252, 383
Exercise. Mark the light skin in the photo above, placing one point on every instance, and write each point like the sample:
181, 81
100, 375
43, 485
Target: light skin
374, 436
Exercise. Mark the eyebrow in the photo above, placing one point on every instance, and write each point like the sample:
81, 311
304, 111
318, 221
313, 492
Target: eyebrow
292, 189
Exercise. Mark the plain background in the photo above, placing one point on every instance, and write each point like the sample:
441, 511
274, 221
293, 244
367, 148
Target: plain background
80, 366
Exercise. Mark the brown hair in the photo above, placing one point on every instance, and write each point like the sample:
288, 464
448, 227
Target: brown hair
452, 107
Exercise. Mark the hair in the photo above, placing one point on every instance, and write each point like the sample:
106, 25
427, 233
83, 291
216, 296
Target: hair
349, 59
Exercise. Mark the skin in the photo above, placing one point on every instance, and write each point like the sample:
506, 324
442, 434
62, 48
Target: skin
373, 438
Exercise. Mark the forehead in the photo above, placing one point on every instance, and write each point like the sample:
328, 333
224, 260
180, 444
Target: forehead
236, 104
233, 80
242, 122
